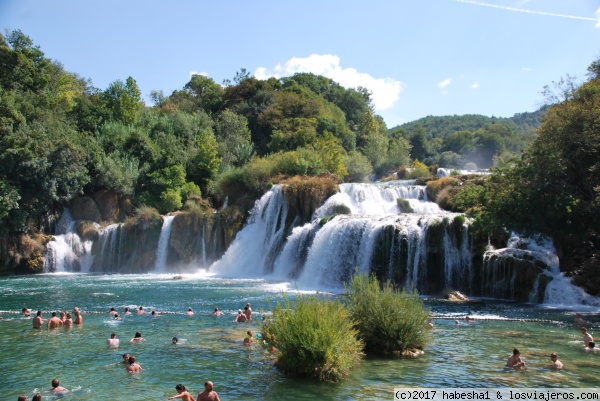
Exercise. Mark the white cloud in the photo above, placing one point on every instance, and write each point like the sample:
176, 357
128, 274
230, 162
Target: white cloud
444, 83
475, 85
597, 18
198, 73
384, 91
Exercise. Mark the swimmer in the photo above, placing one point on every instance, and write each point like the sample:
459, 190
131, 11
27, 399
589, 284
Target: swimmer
138, 338
22, 398
37, 397
113, 341
175, 340
57, 389
63, 317
189, 312
468, 319
153, 314
591, 347
127, 311
217, 312
68, 320
133, 366
141, 311
555, 362
112, 311
208, 394
241, 317
514, 361
54, 322
249, 339
116, 317
587, 337
182, 393
38, 321
457, 323
26, 312
578, 320
78, 317
126, 358
248, 311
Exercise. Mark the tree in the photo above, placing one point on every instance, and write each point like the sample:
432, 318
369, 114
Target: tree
124, 100
206, 93
233, 138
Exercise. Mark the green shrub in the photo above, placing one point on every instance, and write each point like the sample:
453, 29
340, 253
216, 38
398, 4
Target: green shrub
404, 206
418, 170
314, 337
388, 321
434, 187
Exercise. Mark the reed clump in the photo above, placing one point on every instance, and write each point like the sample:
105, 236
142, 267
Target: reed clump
388, 321
314, 337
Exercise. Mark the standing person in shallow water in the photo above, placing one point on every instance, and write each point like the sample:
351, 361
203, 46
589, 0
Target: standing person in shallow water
587, 337
133, 366
78, 317
208, 394
68, 320
182, 393
248, 311
217, 312
54, 322
38, 321
141, 311
241, 317
138, 338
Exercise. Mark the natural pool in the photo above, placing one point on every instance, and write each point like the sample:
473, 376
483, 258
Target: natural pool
211, 348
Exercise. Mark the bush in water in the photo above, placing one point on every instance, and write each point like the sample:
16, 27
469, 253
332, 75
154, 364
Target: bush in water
388, 321
314, 337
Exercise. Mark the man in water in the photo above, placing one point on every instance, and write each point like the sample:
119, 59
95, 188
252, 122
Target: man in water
591, 347
555, 362
190, 312
217, 312
37, 397
133, 366
249, 339
126, 358
127, 311
113, 341
141, 311
175, 340
57, 389
54, 322
578, 320
112, 311
248, 311
240, 318
208, 394
63, 317
26, 312
587, 337
78, 317
22, 398
68, 320
38, 321
514, 361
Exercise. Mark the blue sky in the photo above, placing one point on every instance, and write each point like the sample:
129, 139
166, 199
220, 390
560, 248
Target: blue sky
418, 57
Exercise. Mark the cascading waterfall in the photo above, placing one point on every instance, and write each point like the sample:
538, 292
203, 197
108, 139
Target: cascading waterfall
67, 252
163, 245
110, 245
525, 264
374, 237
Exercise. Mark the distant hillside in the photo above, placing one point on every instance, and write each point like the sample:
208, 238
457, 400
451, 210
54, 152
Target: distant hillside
436, 127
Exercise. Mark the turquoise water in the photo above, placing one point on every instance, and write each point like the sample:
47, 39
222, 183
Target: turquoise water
211, 348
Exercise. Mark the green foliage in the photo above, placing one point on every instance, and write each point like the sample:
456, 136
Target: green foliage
388, 321
404, 206
358, 166
434, 187
314, 338
418, 170
124, 100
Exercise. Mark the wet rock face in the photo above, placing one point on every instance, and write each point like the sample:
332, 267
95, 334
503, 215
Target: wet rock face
108, 205
509, 274
85, 208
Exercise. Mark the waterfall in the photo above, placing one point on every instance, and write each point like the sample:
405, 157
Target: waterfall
251, 253
163, 245
110, 245
67, 252
427, 250
528, 270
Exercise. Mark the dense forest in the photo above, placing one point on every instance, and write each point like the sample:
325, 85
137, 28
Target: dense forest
60, 137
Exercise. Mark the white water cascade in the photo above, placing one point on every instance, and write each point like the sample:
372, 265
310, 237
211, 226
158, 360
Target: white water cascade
163, 245
373, 237
67, 252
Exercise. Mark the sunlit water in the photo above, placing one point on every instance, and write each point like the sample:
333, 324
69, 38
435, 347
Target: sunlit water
211, 348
